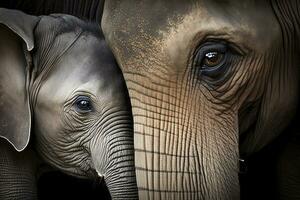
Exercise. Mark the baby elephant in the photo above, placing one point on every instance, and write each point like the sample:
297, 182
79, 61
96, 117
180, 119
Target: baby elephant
63, 98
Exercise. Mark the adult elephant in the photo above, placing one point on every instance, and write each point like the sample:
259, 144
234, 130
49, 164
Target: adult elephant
208, 81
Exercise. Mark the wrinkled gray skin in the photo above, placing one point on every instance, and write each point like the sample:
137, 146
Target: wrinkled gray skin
50, 65
193, 119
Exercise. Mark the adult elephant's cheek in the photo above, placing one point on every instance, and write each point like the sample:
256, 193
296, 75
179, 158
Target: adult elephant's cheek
182, 149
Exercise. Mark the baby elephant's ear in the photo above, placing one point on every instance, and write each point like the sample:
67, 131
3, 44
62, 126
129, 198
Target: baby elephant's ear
16, 40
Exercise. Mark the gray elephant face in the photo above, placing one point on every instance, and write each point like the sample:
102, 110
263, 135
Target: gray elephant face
205, 78
69, 82
73, 103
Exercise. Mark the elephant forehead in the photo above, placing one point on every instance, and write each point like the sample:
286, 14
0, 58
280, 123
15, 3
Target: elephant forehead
87, 66
174, 25
250, 26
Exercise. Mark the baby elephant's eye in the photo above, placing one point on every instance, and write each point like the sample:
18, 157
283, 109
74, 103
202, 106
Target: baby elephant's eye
83, 104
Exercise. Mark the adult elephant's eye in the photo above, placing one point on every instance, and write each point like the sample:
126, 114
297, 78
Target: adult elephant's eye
83, 104
211, 59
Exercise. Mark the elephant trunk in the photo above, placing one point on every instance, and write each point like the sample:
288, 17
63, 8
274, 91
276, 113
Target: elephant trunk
113, 157
120, 178
181, 156
189, 172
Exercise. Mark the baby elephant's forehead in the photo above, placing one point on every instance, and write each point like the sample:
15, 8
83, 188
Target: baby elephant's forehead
88, 57
87, 66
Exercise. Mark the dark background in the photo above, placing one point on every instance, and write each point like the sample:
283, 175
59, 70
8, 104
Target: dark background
56, 185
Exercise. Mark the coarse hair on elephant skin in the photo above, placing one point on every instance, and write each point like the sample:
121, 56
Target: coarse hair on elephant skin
64, 102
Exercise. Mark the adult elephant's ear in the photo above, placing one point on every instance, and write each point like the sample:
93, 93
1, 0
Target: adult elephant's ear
279, 102
16, 40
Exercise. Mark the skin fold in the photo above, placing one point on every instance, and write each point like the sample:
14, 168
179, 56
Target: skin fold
61, 88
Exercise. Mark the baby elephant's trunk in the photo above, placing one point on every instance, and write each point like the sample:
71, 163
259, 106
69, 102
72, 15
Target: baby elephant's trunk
113, 155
